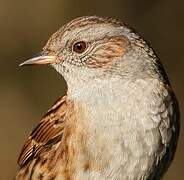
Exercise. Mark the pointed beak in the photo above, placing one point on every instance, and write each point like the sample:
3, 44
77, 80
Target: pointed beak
40, 59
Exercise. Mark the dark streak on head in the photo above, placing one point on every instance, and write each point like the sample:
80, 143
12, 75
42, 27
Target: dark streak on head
79, 23
90, 20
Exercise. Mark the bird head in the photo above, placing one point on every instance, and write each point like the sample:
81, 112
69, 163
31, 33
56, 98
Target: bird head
89, 48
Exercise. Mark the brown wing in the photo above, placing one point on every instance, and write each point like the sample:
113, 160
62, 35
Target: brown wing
48, 133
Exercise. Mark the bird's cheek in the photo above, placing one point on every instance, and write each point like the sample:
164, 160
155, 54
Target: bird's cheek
59, 59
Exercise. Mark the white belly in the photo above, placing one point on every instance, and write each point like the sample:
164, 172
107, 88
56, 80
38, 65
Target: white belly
123, 140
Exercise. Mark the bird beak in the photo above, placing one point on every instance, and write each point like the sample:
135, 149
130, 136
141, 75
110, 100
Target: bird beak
40, 59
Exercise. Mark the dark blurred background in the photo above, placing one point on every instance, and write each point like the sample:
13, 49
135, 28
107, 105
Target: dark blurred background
26, 93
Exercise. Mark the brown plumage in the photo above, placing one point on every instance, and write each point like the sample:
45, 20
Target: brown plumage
47, 143
120, 117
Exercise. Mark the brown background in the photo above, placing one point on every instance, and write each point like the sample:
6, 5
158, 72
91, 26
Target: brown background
26, 93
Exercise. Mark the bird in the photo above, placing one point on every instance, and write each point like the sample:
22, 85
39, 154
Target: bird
119, 119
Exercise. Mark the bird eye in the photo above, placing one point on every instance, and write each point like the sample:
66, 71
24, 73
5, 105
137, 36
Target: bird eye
79, 47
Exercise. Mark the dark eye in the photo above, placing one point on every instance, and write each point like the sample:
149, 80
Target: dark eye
79, 47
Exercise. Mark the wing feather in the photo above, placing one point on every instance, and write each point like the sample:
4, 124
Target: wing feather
47, 133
